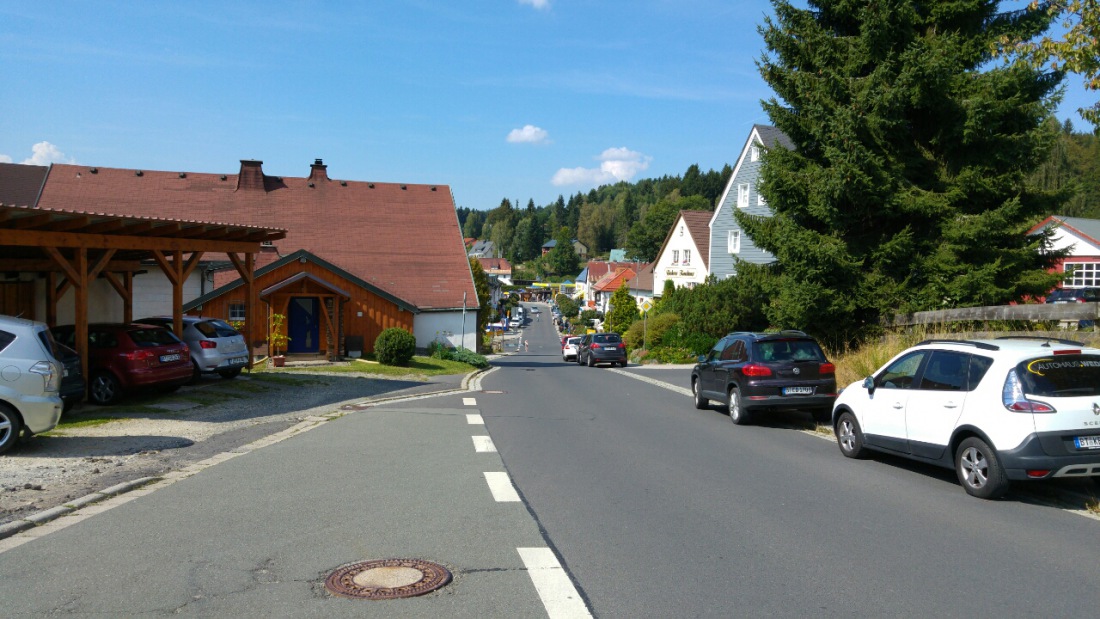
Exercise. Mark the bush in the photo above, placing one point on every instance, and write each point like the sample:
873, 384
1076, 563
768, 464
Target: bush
469, 357
677, 336
395, 346
671, 354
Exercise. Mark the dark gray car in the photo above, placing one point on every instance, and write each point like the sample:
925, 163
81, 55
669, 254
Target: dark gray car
216, 347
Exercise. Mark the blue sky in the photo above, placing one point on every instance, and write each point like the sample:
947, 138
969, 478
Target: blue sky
505, 98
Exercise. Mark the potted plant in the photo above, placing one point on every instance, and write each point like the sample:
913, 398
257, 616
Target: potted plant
277, 339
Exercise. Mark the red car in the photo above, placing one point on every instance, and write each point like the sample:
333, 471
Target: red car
124, 358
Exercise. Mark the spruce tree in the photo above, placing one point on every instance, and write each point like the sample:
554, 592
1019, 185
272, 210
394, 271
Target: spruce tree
906, 188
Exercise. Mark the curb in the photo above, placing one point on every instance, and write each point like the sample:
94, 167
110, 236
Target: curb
42, 517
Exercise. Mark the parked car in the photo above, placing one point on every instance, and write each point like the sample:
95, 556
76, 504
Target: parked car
1074, 295
30, 380
127, 357
597, 348
216, 347
72, 382
994, 410
759, 372
569, 350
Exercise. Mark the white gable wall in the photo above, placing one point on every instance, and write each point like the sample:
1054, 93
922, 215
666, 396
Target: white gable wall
671, 263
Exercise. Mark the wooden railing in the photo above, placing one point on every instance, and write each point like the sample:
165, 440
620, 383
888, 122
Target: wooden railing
1039, 312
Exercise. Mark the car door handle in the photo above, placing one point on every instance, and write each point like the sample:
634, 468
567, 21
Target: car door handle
950, 405
898, 405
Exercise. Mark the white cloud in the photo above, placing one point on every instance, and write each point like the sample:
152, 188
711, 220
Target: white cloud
617, 164
538, 4
5, 159
45, 154
529, 134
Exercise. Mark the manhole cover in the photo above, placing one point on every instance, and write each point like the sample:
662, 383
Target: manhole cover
387, 579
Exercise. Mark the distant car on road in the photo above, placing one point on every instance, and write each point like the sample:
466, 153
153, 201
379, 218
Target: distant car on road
757, 372
30, 380
1074, 295
216, 347
125, 357
596, 348
994, 410
569, 350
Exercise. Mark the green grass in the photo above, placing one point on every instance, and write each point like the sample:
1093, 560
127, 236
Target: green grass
83, 421
418, 366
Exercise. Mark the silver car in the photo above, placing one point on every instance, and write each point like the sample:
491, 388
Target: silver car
30, 380
216, 347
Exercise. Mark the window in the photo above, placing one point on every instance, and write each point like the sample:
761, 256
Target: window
1082, 274
687, 257
236, 311
675, 256
754, 153
947, 371
733, 244
743, 195
901, 373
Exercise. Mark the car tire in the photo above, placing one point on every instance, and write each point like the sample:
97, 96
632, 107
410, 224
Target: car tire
849, 437
822, 415
104, 389
700, 402
979, 470
10, 426
738, 414
591, 362
623, 364
235, 372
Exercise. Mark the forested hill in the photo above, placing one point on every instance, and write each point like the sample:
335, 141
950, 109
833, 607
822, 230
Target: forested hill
623, 215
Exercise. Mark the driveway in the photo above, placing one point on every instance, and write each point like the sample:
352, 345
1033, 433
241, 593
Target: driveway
147, 436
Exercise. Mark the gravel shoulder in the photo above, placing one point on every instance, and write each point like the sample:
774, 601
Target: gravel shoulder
147, 436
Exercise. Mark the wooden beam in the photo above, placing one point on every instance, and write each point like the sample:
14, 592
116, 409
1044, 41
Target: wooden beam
39, 238
45, 265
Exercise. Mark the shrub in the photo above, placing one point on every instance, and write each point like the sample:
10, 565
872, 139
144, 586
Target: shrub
469, 357
633, 336
395, 346
698, 343
671, 354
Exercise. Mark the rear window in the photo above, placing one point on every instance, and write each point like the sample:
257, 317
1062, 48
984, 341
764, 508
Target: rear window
1062, 376
573, 340
789, 350
607, 338
215, 329
153, 337
6, 339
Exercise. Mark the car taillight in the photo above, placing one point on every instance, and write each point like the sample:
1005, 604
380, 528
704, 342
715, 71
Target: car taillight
622, 345
755, 370
1012, 396
826, 368
51, 378
208, 344
1067, 352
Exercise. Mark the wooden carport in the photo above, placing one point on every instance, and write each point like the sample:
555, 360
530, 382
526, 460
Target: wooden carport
70, 249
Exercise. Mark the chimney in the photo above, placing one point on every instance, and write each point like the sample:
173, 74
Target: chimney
317, 171
252, 175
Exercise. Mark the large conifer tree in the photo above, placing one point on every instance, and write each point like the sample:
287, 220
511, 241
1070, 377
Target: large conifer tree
906, 189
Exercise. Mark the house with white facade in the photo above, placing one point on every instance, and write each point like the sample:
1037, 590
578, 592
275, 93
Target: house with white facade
728, 242
685, 252
1081, 237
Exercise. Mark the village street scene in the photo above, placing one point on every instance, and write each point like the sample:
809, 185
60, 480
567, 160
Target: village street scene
787, 309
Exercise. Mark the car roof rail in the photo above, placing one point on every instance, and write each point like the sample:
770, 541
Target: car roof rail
1042, 338
982, 345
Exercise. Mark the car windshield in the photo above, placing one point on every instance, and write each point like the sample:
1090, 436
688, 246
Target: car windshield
789, 350
152, 337
1061, 376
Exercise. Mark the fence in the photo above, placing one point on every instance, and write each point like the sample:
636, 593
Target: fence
1066, 313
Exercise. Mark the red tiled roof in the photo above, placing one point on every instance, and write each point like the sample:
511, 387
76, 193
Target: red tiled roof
599, 268
495, 264
644, 281
20, 184
613, 281
404, 239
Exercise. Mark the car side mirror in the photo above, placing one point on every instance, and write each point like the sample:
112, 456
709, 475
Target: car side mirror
702, 358
869, 384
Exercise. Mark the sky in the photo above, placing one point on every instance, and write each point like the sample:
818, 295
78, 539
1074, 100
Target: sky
517, 99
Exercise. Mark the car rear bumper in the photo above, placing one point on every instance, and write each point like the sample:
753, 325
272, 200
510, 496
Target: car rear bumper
158, 376
1049, 451
40, 414
790, 402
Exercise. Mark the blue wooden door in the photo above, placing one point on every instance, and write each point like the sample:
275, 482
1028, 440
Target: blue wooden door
303, 325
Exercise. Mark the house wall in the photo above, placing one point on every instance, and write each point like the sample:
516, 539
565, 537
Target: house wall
682, 274
152, 297
1084, 256
446, 327
721, 260
365, 314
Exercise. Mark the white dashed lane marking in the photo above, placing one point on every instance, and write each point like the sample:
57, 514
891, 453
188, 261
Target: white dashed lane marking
484, 444
469, 401
501, 487
475, 420
558, 594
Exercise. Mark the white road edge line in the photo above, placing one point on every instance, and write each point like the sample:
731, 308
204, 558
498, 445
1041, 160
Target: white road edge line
501, 487
553, 585
484, 444
474, 419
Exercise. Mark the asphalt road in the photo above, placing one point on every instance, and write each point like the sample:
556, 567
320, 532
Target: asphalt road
652, 509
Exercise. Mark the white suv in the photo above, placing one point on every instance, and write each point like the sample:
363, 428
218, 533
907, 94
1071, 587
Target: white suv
30, 380
994, 410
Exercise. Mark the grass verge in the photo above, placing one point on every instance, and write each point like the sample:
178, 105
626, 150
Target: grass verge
418, 366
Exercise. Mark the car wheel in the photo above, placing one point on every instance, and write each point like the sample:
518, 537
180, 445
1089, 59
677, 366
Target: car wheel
104, 389
591, 362
822, 415
623, 364
235, 372
849, 436
979, 471
10, 425
738, 414
700, 401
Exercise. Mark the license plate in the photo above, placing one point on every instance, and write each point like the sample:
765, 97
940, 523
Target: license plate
167, 358
798, 390
239, 360
1087, 442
